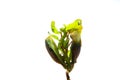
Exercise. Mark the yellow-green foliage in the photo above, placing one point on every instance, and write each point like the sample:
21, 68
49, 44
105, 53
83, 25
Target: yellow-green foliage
68, 37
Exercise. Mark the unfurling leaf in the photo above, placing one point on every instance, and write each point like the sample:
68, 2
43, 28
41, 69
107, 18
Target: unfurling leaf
53, 28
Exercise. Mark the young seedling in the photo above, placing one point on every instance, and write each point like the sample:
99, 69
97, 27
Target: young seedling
64, 45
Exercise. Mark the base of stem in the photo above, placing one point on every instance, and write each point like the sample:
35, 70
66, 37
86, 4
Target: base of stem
67, 75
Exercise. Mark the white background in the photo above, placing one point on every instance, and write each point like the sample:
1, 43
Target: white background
23, 28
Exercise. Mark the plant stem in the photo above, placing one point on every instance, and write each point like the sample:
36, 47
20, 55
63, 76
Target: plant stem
67, 75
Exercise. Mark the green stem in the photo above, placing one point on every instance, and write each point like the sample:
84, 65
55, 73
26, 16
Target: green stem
67, 75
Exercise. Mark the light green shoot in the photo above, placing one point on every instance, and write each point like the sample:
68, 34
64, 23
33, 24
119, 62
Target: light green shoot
66, 50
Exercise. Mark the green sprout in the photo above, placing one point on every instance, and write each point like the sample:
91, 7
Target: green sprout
64, 45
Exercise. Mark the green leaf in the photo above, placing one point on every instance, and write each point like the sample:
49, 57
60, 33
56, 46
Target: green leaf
53, 28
